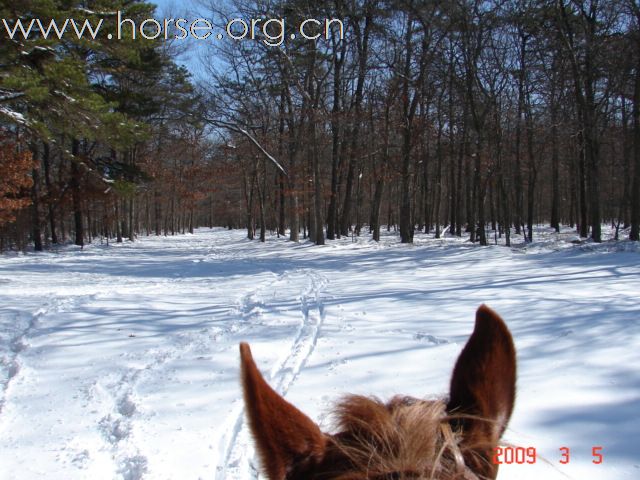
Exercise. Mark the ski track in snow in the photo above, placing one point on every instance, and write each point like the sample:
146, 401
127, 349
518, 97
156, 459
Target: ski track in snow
236, 448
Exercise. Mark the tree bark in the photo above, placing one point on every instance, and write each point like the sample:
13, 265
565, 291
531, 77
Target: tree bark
634, 234
35, 204
362, 43
46, 162
336, 122
75, 193
555, 173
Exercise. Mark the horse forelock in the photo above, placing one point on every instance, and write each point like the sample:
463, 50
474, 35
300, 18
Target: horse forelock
405, 438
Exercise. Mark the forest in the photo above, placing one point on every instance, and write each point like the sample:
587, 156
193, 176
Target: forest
464, 117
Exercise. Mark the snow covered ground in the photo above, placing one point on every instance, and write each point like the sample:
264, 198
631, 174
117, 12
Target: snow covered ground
121, 361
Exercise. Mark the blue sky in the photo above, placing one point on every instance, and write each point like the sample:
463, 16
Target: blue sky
187, 9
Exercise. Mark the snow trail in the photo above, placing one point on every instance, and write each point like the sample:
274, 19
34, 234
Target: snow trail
236, 447
118, 422
313, 315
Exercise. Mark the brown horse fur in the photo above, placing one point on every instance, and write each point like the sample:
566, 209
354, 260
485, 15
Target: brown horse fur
405, 438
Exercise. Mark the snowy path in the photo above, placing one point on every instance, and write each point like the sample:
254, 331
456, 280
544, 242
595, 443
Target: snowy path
236, 451
121, 362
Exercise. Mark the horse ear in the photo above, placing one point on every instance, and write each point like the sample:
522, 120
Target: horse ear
483, 389
286, 438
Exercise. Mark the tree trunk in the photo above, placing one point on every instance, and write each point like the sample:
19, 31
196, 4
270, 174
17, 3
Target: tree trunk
593, 174
479, 195
294, 200
261, 203
582, 188
75, 193
408, 108
439, 160
584, 81
281, 204
131, 226
336, 114
635, 188
380, 178
46, 162
317, 203
280, 176
35, 204
248, 190
362, 42
533, 174
555, 174
459, 192
406, 222
116, 202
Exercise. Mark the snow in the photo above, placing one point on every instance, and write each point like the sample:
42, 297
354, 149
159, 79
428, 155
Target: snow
6, 96
93, 12
13, 115
69, 98
121, 361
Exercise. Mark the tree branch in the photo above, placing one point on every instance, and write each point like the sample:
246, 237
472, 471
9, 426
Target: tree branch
236, 128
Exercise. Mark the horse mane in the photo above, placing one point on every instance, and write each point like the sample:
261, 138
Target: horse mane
405, 438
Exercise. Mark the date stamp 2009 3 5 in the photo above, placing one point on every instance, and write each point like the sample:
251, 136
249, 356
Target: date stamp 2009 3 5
529, 455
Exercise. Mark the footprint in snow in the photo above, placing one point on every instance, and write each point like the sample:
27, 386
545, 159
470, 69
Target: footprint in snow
430, 338
133, 468
336, 364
